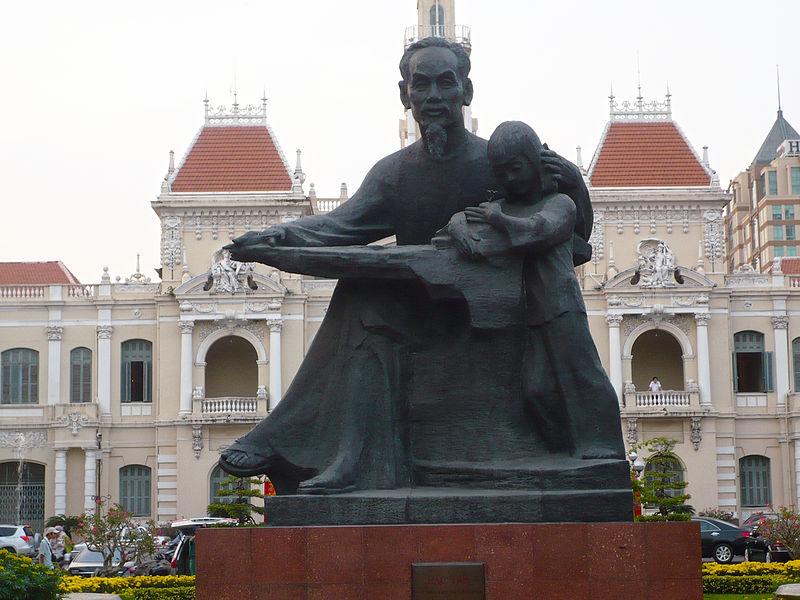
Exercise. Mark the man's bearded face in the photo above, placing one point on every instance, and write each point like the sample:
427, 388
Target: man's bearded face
435, 89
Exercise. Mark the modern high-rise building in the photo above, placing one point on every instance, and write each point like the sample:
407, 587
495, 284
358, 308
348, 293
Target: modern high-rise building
762, 219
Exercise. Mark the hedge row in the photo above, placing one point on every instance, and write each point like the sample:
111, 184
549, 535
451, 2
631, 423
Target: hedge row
744, 584
789, 569
115, 585
179, 593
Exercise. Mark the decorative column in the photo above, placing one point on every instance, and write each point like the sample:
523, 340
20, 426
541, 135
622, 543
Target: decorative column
89, 480
780, 327
703, 359
54, 335
60, 507
797, 471
104, 368
275, 326
187, 364
615, 355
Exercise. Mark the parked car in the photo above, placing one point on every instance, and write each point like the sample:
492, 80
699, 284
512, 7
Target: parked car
772, 551
88, 562
183, 557
722, 541
18, 539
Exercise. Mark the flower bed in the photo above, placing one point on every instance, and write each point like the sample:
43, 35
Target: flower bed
177, 593
22, 579
117, 585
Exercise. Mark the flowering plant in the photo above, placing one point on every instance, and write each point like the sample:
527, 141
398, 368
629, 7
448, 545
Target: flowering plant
783, 528
113, 532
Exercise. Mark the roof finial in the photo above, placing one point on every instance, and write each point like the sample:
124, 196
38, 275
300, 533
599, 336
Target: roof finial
235, 95
264, 102
171, 168
611, 98
579, 158
778, 74
299, 177
639, 98
205, 102
343, 192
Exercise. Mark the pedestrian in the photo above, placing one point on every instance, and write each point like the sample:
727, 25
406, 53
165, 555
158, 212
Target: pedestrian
655, 385
46, 549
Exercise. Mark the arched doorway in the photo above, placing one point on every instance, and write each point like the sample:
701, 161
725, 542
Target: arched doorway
231, 368
22, 494
656, 353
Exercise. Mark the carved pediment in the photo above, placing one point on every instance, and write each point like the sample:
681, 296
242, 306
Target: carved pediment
691, 279
264, 285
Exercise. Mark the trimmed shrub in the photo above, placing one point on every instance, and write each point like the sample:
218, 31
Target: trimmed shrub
179, 593
22, 579
659, 517
117, 585
743, 584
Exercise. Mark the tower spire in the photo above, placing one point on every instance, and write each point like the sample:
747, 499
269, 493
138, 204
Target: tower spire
778, 75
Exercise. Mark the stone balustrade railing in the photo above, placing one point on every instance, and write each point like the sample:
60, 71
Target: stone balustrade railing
23, 293
229, 405
326, 206
663, 398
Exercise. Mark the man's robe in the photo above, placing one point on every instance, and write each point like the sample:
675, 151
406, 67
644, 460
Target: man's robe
353, 417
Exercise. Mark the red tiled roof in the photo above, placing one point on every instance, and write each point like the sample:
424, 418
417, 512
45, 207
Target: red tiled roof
36, 273
233, 159
790, 265
646, 155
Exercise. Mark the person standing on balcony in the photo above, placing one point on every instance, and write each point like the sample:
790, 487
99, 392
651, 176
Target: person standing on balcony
655, 385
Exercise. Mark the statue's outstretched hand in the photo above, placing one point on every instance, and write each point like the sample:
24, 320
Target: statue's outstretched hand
561, 170
247, 247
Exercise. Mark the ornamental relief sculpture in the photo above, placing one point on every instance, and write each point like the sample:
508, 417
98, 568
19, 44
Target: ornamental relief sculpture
682, 322
228, 275
655, 265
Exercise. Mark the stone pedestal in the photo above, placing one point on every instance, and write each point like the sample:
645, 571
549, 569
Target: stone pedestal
591, 561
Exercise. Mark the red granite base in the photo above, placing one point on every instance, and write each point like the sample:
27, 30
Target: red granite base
572, 561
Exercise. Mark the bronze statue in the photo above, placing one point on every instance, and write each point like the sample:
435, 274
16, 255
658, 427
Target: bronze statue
415, 378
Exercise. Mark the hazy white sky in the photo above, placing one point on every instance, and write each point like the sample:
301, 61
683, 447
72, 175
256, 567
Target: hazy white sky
94, 94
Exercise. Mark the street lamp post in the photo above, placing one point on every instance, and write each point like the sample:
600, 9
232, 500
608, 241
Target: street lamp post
637, 468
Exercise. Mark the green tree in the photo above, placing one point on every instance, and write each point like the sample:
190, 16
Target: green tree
113, 532
241, 490
68, 523
658, 487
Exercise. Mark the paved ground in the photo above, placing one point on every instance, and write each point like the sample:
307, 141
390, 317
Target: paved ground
91, 597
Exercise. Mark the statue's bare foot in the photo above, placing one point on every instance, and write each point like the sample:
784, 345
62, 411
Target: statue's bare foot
244, 460
328, 482
599, 452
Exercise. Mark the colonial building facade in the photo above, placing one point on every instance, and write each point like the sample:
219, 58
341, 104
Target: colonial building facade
129, 388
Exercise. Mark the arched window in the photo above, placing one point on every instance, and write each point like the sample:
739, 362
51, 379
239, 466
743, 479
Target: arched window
22, 493
752, 366
215, 485
670, 465
19, 376
437, 20
134, 489
796, 362
80, 375
755, 481
137, 371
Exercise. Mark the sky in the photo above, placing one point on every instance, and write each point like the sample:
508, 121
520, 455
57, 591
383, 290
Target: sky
94, 94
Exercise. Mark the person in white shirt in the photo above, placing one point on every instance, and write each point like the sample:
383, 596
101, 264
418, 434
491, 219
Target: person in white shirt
655, 385
46, 549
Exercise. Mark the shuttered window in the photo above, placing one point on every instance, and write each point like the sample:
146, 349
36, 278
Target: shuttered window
752, 366
19, 376
80, 375
755, 482
796, 363
217, 477
134, 489
136, 374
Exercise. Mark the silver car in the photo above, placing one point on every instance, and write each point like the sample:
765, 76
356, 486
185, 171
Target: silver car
87, 562
18, 539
